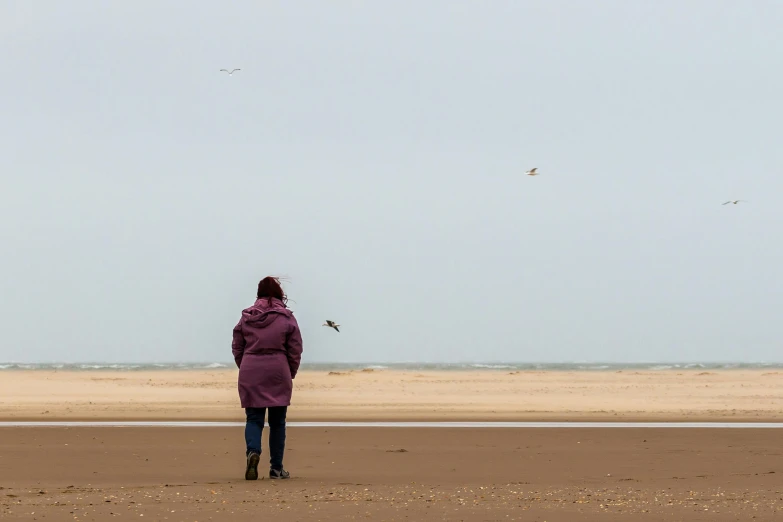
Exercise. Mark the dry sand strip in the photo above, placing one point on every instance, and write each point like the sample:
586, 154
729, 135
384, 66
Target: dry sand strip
540, 475
727, 395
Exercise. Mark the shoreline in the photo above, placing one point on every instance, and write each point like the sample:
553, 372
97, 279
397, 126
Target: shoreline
678, 424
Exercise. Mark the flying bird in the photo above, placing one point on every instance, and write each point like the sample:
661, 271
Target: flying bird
230, 72
532, 172
734, 202
331, 324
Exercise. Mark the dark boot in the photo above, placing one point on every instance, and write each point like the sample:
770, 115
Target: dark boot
279, 474
251, 472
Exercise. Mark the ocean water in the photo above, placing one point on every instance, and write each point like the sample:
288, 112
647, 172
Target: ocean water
608, 367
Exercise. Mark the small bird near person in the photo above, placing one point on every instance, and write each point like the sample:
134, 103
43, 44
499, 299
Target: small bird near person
735, 201
331, 324
532, 172
231, 72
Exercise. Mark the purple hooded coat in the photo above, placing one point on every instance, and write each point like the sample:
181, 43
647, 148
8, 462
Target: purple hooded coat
267, 348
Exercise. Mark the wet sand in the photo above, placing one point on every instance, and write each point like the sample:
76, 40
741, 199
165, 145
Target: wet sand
196, 474
727, 395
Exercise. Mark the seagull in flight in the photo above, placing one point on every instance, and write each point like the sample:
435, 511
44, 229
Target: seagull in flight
331, 324
532, 172
230, 72
734, 201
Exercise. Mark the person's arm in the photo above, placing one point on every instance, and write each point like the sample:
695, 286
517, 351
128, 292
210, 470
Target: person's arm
238, 344
293, 347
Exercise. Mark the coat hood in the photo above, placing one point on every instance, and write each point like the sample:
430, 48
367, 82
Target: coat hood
262, 313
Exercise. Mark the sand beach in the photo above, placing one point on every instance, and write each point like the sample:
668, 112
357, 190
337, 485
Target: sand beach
357, 395
346, 473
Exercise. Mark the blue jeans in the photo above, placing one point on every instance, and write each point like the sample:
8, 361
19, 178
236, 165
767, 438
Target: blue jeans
254, 427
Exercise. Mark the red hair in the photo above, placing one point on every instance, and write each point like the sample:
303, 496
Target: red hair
271, 288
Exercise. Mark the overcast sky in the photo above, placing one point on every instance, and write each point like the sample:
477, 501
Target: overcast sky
374, 153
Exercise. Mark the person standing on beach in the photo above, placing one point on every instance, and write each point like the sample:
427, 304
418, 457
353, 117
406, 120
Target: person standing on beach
267, 348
